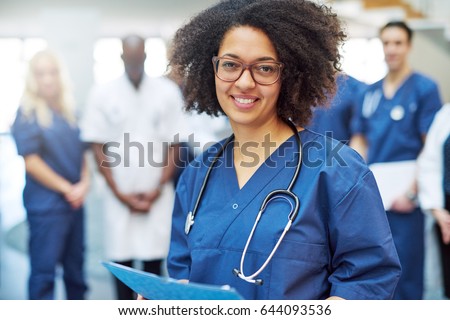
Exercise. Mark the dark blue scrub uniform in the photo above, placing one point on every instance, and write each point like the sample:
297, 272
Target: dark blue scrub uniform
56, 230
393, 129
335, 121
340, 243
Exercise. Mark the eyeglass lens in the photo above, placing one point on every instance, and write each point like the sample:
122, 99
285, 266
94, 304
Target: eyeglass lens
266, 72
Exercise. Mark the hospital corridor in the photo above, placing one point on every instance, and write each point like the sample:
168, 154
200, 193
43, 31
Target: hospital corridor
95, 139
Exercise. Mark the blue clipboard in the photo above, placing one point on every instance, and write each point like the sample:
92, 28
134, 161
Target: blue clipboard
154, 287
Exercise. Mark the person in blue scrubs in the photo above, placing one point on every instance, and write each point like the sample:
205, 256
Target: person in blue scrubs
335, 120
393, 121
238, 58
57, 180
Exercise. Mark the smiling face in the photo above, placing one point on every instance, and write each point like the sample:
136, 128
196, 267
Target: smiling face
245, 102
396, 47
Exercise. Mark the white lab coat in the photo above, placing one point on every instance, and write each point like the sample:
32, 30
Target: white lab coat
136, 123
431, 170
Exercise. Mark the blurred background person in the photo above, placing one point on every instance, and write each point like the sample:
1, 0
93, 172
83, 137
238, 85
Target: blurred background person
434, 186
335, 121
135, 125
391, 127
57, 180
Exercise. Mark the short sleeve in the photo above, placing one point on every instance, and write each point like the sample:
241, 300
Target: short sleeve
430, 164
365, 264
94, 125
429, 103
175, 119
27, 134
356, 120
179, 261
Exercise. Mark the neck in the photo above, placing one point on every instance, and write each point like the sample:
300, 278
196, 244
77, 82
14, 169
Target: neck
276, 129
397, 76
136, 82
53, 104
261, 141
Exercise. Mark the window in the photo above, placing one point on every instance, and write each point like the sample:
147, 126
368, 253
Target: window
14, 56
364, 59
108, 64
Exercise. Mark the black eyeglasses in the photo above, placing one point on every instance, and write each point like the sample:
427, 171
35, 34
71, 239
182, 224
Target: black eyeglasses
264, 72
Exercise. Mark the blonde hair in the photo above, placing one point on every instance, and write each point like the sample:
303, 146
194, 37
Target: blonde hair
33, 104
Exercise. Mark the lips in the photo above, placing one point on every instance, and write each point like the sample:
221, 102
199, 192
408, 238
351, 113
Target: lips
244, 102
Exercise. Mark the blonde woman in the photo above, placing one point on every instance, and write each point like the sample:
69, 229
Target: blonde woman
47, 137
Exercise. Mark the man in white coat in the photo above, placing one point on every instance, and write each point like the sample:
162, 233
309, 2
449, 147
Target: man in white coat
134, 123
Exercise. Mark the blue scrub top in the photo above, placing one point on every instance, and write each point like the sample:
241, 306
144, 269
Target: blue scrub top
60, 147
340, 243
335, 121
394, 127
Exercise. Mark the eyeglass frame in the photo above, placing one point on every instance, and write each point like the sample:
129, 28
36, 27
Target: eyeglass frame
248, 67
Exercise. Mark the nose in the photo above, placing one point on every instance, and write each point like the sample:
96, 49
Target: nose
245, 81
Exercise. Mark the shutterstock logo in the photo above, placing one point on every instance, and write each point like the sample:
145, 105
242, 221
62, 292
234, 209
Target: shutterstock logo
134, 153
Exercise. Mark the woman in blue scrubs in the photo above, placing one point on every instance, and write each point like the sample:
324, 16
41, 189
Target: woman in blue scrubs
393, 122
335, 121
57, 180
264, 64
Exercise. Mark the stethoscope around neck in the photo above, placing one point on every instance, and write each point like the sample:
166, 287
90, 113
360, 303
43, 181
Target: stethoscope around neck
280, 194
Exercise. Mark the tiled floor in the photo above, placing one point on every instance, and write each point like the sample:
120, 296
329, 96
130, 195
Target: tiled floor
14, 261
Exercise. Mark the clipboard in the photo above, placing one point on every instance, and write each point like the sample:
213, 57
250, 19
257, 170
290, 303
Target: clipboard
154, 287
393, 179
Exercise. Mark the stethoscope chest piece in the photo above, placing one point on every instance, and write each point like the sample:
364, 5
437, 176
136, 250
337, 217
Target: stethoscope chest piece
280, 194
189, 222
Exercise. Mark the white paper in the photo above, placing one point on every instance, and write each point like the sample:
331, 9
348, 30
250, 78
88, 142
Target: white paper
393, 179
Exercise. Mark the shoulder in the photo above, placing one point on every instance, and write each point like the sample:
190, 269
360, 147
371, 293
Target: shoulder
198, 167
24, 118
162, 82
328, 148
442, 116
376, 85
356, 84
423, 83
109, 87
445, 110
332, 162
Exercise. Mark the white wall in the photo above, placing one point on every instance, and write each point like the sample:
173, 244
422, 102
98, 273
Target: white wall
431, 55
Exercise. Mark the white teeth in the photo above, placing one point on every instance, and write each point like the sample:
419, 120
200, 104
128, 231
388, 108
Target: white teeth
244, 100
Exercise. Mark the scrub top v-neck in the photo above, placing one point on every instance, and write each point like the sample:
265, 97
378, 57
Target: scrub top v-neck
316, 253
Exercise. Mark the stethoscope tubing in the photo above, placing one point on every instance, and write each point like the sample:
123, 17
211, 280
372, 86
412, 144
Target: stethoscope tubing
275, 194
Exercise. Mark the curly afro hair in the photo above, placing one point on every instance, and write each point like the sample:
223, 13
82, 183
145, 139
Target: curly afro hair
305, 35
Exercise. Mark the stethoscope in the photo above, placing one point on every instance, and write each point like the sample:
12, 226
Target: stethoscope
283, 194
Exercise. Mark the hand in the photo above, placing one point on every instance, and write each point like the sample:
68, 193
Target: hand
143, 202
335, 298
403, 204
443, 219
76, 194
152, 196
134, 201
139, 204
